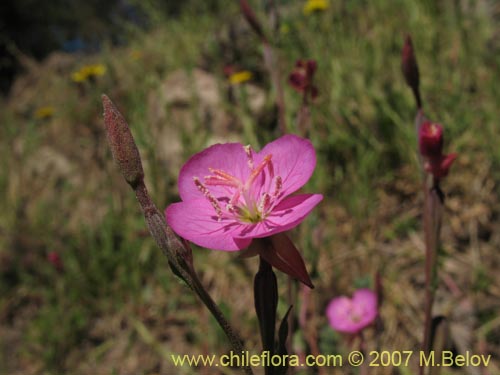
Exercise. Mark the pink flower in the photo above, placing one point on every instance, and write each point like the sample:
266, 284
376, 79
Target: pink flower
352, 315
232, 194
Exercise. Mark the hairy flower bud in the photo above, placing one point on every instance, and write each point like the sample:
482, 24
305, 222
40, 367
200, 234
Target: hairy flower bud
122, 143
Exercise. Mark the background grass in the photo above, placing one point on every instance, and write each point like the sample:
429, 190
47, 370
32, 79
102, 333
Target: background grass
117, 308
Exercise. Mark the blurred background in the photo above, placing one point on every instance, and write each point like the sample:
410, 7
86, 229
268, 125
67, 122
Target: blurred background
83, 289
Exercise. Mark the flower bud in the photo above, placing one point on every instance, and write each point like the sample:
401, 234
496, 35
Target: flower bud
409, 64
122, 143
55, 259
410, 69
266, 301
440, 166
301, 78
430, 139
252, 19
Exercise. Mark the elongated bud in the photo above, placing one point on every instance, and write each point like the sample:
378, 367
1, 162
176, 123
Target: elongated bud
122, 143
252, 19
280, 252
266, 302
410, 69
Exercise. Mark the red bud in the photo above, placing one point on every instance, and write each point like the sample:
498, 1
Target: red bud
430, 139
410, 68
279, 251
54, 258
440, 166
252, 19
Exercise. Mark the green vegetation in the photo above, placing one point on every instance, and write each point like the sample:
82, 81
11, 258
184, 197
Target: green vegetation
117, 308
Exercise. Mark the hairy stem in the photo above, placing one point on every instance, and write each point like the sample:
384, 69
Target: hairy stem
178, 253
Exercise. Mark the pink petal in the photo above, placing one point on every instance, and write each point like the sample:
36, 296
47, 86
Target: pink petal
229, 157
293, 159
286, 215
352, 315
366, 300
197, 222
337, 312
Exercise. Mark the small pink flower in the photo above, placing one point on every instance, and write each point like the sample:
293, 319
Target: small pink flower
232, 194
430, 140
348, 315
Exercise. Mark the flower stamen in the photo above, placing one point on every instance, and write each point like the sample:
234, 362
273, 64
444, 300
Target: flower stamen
256, 171
213, 201
248, 152
278, 184
264, 204
221, 178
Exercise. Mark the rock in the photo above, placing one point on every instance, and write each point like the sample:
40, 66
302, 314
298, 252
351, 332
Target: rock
190, 105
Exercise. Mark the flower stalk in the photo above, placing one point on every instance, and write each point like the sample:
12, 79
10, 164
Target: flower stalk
178, 252
269, 61
301, 80
266, 304
434, 166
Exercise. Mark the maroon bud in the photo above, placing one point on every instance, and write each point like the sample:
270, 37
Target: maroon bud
122, 143
280, 252
430, 139
301, 78
409, 63
266, 302
297, 81
410, 68
311, 67
440, 166
252, 19
314, 92
54, 258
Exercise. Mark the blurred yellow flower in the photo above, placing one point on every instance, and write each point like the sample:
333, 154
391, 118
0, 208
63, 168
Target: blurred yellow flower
78, 76
44, 112
315, 5
88, 71
95, 70
240, 77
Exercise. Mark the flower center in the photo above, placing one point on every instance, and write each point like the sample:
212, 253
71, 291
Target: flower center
248, 201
